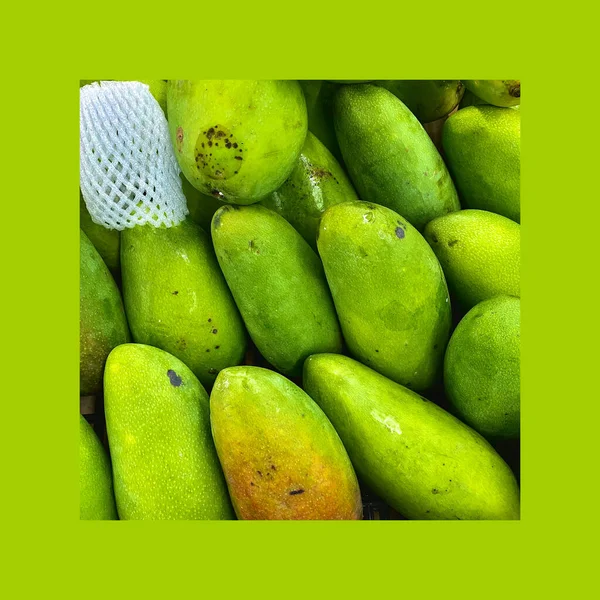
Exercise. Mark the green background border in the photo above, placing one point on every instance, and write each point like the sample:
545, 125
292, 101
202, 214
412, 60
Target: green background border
280, 559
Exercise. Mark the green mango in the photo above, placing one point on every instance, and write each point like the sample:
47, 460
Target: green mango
106, 241
299, 470
96, 497
505, 93
201, 207
319, 105
482, 367
102, 322
390, 158
157, 418
422, 461
428, 100
389, 291
177, 299
483, 150
480, 253
317, 182
237, 140
278, 284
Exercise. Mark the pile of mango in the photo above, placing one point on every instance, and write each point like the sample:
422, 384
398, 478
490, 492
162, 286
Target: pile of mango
340, 311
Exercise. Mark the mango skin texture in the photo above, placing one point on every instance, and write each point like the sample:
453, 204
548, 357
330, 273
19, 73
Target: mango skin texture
389, 156
482, 367
420, 459
177, 299
236, 140
278, 284
480, 253
389, 291
157, 418
317, 182
503, 93
428, 100
483, 151
102, 321
96, 497
281, 456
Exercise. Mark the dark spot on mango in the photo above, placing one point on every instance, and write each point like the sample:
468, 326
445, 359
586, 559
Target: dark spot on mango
320, 173
217, 347
175, 293
274, 467
434, 239
400, 232
208, 350
209, 320
435, 491
214, 331
174, 378
179, 138
296, 492
259, 473
452, 243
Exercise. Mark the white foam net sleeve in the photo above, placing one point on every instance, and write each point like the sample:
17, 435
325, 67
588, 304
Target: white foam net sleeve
129, 174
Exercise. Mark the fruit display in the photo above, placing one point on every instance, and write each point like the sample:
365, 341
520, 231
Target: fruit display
300, 300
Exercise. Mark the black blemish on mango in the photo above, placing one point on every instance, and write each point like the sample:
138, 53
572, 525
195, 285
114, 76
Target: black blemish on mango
174, 378
452, 243
400, 232
175, 293
214, 331
296, 492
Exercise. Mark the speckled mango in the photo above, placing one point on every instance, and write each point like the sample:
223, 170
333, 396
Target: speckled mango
389, 156
317, 182
278, 284
177, 299
96, 497
420, 459
389, 291
501, 92
281, 456
482, 367
102, 321
237, 140
480, 253
157, 418
483, 150
428, 100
